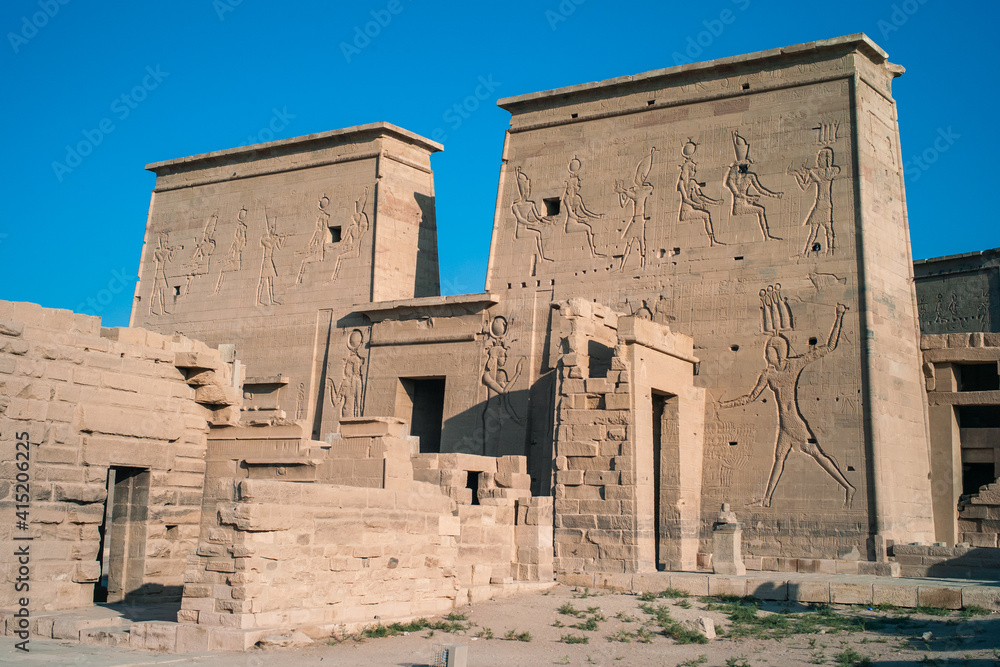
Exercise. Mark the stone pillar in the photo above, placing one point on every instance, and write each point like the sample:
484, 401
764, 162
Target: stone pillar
727, 535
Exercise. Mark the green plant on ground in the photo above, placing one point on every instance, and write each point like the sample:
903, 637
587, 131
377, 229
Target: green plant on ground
515, 636
974, 610
644, 636
648, 596
851, 658
931, 611
597, 613
568, 609
818, 658
590, 625
623, 636
737, 662
672, 593
625, 618
671, 628
456, 616
574, 639
485, 633
558, 624
694, 662
586, 594
684, 604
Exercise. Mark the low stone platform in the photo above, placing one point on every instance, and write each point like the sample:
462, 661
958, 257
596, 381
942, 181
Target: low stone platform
155, 628
799, 587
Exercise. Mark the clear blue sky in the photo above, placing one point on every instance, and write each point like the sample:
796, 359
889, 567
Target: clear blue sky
216, 74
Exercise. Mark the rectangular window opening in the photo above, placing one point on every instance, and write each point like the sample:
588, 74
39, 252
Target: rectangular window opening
978, 377
552, 206
335, 234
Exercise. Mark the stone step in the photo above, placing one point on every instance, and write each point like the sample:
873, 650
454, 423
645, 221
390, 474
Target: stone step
113, 635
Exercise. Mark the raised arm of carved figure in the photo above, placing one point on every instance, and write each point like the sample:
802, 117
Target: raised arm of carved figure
833, 340
748, 398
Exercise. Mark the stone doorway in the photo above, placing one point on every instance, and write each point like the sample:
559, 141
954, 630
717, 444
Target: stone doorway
122, 551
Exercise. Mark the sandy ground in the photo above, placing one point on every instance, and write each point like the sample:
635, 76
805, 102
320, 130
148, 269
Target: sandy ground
891, 637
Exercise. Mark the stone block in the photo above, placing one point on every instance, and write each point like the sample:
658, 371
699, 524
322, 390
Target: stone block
720, 585
943, 597
809, 591
983, 596
843, 592
894, 594
767, 588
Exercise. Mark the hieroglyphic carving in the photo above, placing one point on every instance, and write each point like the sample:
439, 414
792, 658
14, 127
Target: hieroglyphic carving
203, 250
300, 402
528, 217
694, 202
348, 398
821, 214
575, 210
728, 444
234, 256
315, 250
746, 187
350, 242
781, 376
163, 254
826, 133
498, 379
637, 196
271, 241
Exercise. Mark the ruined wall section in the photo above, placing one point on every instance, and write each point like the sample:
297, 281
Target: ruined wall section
722, 199
278, 242
89, 399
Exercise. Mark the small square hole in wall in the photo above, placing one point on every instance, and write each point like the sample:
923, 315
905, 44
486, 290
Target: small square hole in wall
177, 290
575, 115
746, 86
813, 341
552, 206
173, 533
335, 234
733, 444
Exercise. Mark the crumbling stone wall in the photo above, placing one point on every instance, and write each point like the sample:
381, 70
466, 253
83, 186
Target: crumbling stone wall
89, 399
615, 413
302, 534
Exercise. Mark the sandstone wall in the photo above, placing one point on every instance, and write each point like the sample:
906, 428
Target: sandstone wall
89, 399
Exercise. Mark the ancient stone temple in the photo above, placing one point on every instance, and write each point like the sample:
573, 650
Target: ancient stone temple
700, 294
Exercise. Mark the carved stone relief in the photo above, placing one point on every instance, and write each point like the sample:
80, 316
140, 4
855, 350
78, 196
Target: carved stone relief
271, 241
694, 202
575, 211
163, 254
746, 187
204, 248
529, 219
498, 377
781, 375
348, 398
350, 242
637, 195
821, 214
315, 250
234, 256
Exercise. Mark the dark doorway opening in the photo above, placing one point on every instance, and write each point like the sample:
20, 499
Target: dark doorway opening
473, 485
976, 475
122, 549
421, 401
